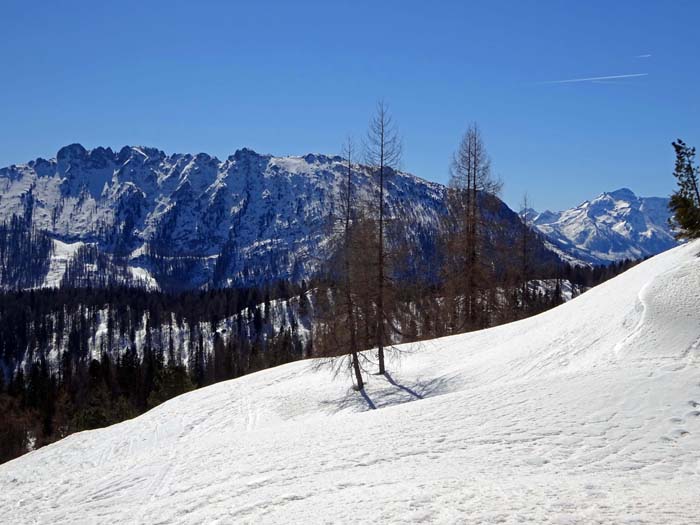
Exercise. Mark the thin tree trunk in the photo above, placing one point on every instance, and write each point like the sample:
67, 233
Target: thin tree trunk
384, 151
348, 293
380, 287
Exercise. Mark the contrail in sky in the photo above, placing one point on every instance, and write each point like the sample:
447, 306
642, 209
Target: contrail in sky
594, 79
648, 55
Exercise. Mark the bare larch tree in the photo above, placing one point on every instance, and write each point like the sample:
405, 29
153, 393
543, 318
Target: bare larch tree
471, 183
348, 154
525, 253
383, 154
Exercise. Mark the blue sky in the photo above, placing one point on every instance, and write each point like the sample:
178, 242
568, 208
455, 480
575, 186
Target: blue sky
298, 77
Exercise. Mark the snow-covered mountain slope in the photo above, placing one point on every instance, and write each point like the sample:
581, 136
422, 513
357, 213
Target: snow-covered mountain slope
588, 413
190, 221
612, 227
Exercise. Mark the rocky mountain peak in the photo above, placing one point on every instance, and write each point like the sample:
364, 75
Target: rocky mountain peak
613, 226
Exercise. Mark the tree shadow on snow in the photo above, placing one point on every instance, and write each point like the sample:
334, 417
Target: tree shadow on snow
383, 391
368, 399
402, 387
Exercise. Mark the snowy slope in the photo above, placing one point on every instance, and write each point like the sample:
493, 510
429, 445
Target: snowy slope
588, 413
612, 227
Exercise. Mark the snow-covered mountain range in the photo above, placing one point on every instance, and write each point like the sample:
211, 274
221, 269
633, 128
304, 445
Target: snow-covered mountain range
613, 226
246, 219
578, 415
187, 221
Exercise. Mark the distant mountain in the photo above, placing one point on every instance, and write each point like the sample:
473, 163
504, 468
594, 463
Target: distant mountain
186, 221
613, 226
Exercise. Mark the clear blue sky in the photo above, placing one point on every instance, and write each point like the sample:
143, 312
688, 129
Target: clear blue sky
297, 77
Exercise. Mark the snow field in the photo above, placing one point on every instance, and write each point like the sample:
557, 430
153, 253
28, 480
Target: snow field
588, 413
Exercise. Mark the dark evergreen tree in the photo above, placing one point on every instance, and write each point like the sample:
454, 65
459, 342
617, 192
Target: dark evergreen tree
685, 201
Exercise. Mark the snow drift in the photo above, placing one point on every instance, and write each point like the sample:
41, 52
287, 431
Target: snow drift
588, 413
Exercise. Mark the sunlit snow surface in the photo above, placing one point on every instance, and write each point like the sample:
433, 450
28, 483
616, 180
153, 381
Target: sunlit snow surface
62, 254
588, 413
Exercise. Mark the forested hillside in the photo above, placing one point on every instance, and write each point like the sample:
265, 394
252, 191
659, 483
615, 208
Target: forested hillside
79, 358
75, 359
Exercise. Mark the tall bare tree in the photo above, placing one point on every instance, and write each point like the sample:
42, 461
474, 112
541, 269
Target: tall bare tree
348, 153
468, 198
383, 154
525, 252
344, 306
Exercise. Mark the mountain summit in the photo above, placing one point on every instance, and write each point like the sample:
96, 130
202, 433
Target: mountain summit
615, 225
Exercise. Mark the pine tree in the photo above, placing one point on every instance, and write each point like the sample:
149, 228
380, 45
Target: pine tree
685, 202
